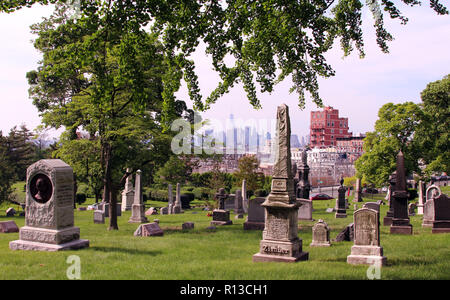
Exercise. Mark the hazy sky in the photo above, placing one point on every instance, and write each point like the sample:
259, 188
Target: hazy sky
419, 54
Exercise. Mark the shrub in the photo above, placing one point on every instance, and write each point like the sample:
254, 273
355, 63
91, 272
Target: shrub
412, 194
261, 193
80, 198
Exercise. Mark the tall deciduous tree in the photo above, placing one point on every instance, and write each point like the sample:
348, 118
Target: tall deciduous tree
248, 170
7, 173
21, 150
433, 135
102, 75
394, 131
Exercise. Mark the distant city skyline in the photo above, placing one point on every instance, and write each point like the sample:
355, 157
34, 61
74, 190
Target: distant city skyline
418, 55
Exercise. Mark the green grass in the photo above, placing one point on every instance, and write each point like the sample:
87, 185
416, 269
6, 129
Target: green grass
225, 253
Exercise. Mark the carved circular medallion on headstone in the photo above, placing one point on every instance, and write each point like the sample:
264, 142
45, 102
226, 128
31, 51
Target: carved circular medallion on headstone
41, 188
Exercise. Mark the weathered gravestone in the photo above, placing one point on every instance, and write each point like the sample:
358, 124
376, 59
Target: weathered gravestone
187, 225
387, 221
176, 208
372, 205
238, 202
400, 220
164, 210
49, 218
168, 209
432, 192
138, 207
128, 193
422, 197
99, 217
151, 211
437, 214
256, 214
149, 229
221, 216
366, 248
412, 209
305, 210
280, 236
104, 206
228, 203
320, 235
244, 196
8, 227
428, 216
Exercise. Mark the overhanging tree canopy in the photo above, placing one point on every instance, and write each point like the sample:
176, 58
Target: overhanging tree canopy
266, 40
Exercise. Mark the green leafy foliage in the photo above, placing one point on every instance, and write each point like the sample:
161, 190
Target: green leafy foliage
394, 131
248, 170
433, 136
256, 43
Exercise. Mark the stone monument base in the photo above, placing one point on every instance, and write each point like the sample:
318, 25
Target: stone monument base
137, 214
280, 251
340, 215
401, 229
427, 223
420, 209
387, 221
320, 244
367, 255
42, 239
248, 225
28, 245
221, 217
49, 236
176, 210
440, 227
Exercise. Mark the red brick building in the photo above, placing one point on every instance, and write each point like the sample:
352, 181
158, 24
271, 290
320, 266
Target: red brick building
326, 127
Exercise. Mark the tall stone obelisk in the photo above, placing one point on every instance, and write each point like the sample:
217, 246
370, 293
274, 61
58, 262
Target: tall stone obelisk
280, 236
138, 208
400, 220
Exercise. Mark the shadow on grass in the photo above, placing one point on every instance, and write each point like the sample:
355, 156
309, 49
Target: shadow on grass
411, 261
334, 259
177, 229
16, 217
124, 250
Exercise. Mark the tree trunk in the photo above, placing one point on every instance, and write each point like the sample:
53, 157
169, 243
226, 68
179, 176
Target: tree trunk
109, 190
113, 210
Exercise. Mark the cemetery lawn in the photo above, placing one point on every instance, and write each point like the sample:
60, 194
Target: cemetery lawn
222, 254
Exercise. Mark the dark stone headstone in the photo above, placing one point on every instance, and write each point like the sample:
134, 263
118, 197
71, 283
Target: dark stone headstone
188, 225
185, 201
437, 214
341, 211
347, 234
256, 214
400, 220
8, 227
